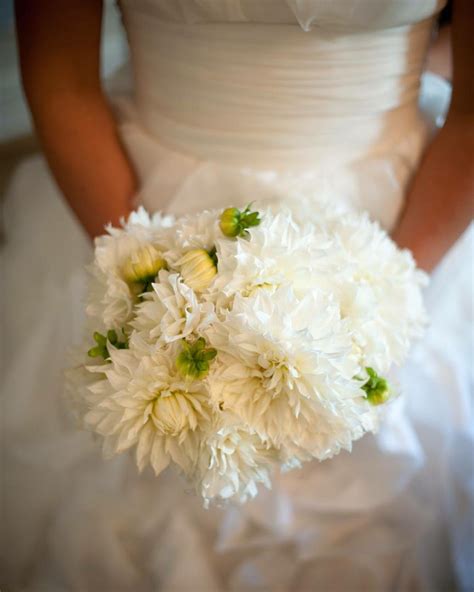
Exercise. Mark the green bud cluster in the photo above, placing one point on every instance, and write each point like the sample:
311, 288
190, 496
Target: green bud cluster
101, 349
194, 359
234, 222
376, 388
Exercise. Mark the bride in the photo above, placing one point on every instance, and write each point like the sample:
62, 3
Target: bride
234, 101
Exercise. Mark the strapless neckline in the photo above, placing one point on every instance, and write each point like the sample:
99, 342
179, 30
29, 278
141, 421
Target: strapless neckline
348, 15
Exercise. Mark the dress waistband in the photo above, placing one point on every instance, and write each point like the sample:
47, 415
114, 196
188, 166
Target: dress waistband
256, 93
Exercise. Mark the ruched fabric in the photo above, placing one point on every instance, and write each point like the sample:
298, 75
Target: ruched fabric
269, 94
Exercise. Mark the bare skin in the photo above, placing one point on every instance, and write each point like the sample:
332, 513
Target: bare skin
59, 45
440, 201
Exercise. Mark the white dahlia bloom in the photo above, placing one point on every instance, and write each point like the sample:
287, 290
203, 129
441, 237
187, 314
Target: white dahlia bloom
232, 462
171, 311
277, 252
141, 401
111, 295
379, 289
193, 232
285, 368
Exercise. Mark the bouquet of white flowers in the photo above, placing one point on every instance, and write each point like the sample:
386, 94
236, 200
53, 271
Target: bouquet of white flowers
232, 342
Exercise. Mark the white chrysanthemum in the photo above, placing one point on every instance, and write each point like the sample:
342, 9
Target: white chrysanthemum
285, 369
277, 252
379, 290
141, 401
232, 462
111, 298
171, 311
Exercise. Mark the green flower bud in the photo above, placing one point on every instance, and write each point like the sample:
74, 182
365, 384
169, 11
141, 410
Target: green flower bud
194, 359
143, 266
234, 222
101, 349
198, 268
376, 388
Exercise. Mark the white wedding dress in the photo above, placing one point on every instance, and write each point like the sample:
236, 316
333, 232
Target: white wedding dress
234, 101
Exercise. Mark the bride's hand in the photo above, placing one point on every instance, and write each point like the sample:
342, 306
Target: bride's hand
441, 198
59, 47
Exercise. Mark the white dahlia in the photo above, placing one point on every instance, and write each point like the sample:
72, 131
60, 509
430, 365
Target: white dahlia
276, 252
379, 289
171, 311
119, 256
193, 232
232, 462
285, 368
141, 401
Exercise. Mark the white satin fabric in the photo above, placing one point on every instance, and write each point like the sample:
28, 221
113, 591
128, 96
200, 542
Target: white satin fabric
340, 15
240, 100
268, 95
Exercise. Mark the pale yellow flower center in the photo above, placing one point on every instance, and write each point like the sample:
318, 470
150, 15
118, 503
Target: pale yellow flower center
175, 412
276, 373
144, 264
363, 277
252, 289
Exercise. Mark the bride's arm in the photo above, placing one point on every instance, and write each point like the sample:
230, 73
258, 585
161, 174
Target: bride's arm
59, 47
441, 198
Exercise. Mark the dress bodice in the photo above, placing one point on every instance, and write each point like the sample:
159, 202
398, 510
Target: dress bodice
334, 14
274, 98
272, 81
